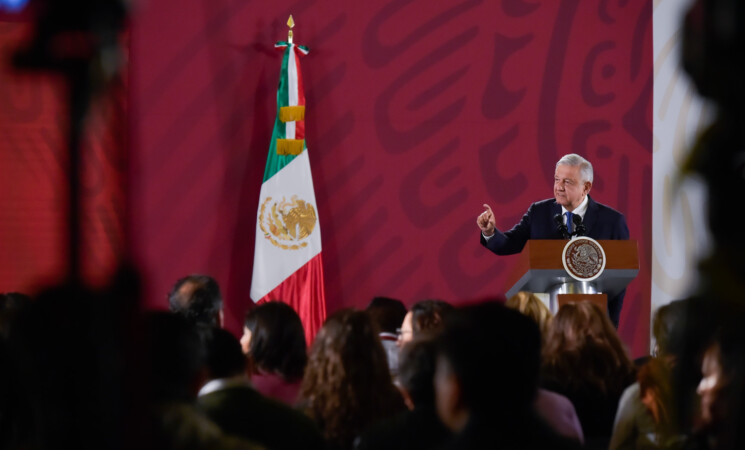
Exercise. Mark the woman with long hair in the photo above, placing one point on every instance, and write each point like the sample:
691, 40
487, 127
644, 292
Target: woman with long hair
347, 386
585, 361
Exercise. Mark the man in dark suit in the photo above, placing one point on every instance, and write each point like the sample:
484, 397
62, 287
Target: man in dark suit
572, 183
230, 401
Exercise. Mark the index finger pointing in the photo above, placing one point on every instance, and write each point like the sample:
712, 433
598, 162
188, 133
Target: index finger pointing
488, 208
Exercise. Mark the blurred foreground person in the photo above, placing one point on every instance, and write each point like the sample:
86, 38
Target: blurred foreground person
554, 408
585, 361
646, 413
419, 427
274, 342
66, 370
347, 386
713, 45
11, 303
176, 371
491, 408
722, 393
230, 401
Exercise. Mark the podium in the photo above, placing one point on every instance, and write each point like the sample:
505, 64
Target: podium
540, 269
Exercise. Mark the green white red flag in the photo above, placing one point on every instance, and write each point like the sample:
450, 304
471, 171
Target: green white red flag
287, 259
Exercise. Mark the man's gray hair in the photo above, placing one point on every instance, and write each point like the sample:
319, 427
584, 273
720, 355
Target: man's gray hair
574, 160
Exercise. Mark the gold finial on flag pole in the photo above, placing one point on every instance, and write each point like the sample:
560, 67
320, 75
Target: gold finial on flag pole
291, 24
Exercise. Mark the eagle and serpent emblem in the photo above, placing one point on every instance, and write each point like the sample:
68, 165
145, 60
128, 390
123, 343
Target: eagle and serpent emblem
584, 258
287, 224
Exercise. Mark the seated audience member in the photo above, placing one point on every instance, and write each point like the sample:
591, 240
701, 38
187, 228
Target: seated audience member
559, 413
585, 361
418, 428
387, 314
655, 392
238, 409
198, 298
491, 408
635, 425
703, 317
530, 305
274, 342
554, 408
426, 315
176, 371
347, 386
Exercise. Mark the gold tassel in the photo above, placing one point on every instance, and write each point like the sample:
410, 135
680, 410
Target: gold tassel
290, 146
291, 113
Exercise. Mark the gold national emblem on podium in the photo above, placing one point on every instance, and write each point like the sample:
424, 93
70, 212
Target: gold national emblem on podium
287, 224
583, 258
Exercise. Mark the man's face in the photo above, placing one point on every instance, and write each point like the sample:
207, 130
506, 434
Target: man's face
569, 189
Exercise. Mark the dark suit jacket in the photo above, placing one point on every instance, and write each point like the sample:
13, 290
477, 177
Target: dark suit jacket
601, 222
242, 411
512, 432
419, 429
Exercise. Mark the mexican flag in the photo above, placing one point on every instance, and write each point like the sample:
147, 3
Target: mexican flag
287, 260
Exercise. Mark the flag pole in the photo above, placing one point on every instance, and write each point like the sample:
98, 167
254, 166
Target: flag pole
291, 24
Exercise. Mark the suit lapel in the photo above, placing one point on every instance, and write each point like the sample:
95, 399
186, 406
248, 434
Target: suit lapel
590, 215
555, 209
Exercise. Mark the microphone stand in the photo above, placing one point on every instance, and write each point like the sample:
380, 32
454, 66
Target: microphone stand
579, 226
559, 220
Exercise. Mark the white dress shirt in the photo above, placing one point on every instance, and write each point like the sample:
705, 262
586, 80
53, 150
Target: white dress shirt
578, 211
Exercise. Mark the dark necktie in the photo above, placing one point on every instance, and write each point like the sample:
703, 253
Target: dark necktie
569, 222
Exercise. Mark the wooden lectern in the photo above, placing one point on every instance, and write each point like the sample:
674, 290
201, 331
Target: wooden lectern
540, 270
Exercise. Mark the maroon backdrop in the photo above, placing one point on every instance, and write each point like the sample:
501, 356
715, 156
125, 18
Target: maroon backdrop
418, 113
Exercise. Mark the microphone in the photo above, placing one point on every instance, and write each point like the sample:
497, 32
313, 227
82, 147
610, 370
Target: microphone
561, 226
579, 226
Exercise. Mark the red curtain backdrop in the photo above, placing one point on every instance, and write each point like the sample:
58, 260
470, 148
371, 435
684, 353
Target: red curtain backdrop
418, 112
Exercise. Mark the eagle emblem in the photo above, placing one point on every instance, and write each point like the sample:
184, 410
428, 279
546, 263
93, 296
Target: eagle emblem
584, 258
287, 223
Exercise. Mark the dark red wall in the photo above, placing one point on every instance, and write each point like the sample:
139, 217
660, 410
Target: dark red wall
418, 113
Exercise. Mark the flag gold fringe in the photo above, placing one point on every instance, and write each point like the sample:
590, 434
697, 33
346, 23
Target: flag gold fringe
290, 146
292, 113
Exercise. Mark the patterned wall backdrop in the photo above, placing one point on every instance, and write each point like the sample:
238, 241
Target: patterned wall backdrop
418, 112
